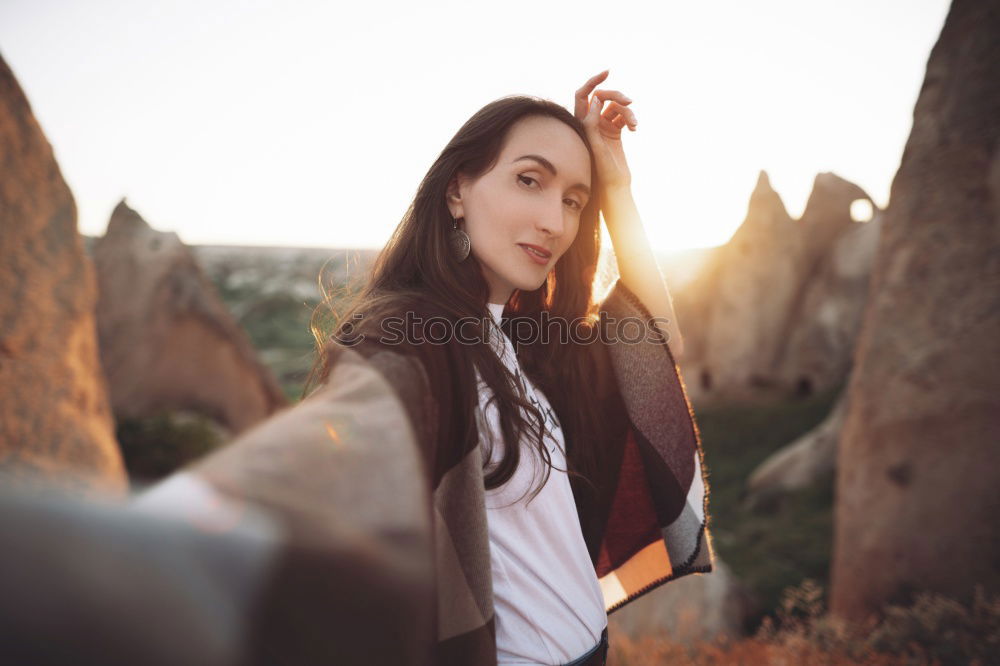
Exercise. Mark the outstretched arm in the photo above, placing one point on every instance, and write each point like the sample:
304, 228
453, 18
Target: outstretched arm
636, 264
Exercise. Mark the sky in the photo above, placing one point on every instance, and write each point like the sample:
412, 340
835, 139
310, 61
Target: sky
246, 122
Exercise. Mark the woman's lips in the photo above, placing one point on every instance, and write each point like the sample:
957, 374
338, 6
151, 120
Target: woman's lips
534, 257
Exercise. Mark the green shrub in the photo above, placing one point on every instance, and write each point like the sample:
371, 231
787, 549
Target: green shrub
155, 447
774, 546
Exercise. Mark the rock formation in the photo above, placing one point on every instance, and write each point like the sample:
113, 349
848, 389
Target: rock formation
823, 328
55, 419
751, 286
778, 305
167, 341
919, 461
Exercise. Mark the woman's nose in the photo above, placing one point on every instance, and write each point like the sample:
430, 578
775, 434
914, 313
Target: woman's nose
552, 221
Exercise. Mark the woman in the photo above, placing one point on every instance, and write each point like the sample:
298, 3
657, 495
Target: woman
504, 234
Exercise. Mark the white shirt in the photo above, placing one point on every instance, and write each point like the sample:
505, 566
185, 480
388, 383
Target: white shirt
548, 602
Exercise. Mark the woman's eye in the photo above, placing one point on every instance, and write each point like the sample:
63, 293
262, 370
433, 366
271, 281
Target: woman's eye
576, 204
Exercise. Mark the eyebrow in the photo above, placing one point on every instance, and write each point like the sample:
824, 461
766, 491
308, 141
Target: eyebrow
552, 169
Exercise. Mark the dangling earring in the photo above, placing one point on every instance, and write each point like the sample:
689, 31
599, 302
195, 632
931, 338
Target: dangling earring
460, 244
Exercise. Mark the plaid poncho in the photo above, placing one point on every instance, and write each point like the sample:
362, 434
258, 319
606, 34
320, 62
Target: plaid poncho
338, 470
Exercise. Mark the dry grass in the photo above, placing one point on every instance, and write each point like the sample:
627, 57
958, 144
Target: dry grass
934, 630
748, 651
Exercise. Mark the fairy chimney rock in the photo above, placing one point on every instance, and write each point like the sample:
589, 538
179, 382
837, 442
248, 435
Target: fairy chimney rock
167, 340
918, 469
55, 418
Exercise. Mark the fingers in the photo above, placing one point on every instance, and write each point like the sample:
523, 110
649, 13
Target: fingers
619, 122
620, 116
616, 95
615, 113
593, 114
583, 92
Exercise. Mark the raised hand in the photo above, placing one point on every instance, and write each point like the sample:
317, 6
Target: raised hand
604, 129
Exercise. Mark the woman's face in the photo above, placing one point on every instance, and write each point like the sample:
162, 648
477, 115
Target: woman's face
524, 201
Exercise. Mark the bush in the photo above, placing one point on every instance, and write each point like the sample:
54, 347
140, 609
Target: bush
938, 628
934, 630
157, 446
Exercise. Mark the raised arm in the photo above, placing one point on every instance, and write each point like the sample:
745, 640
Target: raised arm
636, 264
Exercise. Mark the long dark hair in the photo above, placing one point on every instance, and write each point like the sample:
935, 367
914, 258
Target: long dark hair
417, 270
